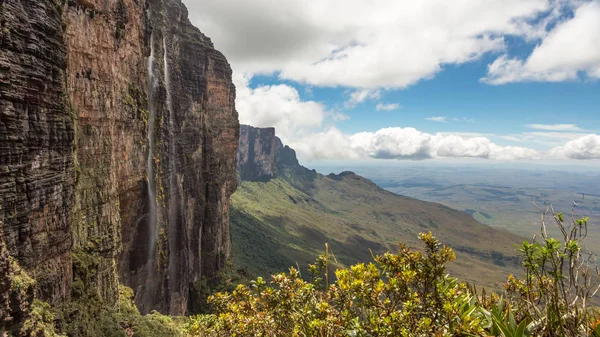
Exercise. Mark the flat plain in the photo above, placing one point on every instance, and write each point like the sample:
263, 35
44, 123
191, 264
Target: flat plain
498, 196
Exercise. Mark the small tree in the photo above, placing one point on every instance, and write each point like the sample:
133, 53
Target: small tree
560, 278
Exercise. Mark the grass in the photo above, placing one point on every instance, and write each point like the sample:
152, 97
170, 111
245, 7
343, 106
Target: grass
276, 225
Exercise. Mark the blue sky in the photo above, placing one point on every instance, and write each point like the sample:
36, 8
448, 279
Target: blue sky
491, 80
457, 93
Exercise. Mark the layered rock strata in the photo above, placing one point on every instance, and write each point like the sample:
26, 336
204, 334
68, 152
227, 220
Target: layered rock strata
105, 105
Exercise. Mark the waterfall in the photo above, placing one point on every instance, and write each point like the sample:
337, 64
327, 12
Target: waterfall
173, 200
150, 162
171, 112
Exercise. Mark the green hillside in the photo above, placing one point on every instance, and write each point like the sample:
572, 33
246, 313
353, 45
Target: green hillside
288, 220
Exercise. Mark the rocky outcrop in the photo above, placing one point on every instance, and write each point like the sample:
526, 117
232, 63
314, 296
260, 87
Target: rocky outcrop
118, 138
256, 156
262, 156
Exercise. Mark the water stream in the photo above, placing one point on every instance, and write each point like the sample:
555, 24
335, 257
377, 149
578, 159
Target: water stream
150, 162
173, 200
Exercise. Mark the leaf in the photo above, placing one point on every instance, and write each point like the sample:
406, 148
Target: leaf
522, 329
506, 332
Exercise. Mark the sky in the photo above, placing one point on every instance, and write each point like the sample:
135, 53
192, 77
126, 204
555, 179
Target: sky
509, 81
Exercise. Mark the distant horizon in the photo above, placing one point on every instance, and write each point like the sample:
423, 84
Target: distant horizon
584, 167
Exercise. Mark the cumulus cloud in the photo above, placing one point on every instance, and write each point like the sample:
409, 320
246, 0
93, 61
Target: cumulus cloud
387, 107
554, 127
583, 148
304, 126
439, 119
568, 50
404, 144
279, 106
327, 144
359, 44
372, 47
409, 143
412, 144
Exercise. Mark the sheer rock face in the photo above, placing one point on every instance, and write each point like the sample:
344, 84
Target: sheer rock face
257, 153
262, 156
75, 106
37, 180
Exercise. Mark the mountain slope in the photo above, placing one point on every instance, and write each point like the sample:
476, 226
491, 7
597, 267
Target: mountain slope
288, 219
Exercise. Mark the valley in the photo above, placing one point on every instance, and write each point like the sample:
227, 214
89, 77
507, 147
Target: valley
286, 220
499, 197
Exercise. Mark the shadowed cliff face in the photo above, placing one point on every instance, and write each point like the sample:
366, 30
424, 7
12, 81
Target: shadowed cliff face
37, 178
75, 136
256, 156
262, 157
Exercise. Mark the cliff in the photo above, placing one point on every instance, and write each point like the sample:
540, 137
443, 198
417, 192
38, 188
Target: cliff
256, 156
118, 138
262, 156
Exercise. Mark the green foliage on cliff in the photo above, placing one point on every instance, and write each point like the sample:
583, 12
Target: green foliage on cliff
407, 293
20, 313
90, 317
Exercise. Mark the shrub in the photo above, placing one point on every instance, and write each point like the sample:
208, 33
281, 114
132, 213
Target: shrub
409, 294
403, 294
560, 279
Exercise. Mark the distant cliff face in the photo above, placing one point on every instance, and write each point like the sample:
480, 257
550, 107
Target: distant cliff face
256, 156
118, 139
262, 156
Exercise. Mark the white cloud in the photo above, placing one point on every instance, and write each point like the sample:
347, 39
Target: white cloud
374, 46
279, 106
360, 96
360, 44
583, 148
409, 143
387, 107
568, 50
328, 144
404, 144
545, 139
439, 119
554, 127
303, 126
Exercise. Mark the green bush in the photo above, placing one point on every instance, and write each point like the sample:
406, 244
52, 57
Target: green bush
560, 279
403, 294
409, 294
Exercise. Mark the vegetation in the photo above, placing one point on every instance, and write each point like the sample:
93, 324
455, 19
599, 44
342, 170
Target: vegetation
91, 317
409, 294
276, 224
20, 313
88, 315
